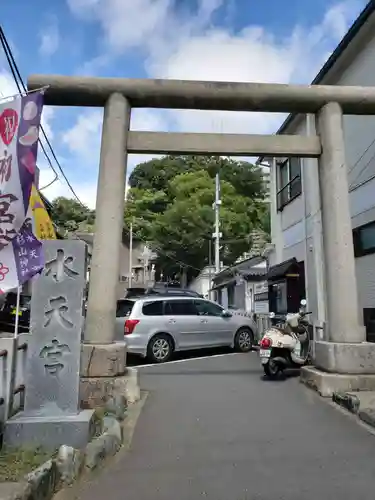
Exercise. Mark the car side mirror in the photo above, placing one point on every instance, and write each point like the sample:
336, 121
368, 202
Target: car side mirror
226, 314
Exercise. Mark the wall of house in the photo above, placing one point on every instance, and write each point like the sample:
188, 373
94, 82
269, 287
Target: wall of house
297, 229
202, 283
240, 295
360, 150
224, 298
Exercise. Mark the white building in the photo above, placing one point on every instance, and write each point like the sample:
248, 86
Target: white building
235, 286
295, 195
203, 282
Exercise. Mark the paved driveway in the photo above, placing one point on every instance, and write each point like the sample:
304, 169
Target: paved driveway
214, 429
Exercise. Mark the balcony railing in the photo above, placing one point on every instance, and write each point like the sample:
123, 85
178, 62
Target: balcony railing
289, 192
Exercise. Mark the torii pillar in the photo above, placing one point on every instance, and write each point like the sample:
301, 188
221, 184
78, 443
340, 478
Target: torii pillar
103, 367
344, 361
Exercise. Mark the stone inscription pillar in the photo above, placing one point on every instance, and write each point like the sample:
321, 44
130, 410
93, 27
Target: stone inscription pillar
52, 416
104, 273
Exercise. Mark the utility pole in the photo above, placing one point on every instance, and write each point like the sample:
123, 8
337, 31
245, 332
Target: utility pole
131, 256
145, 267
217, 235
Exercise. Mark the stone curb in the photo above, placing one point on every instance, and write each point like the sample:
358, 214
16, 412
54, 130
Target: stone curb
46, 480
70, 463
367, 415
348, 401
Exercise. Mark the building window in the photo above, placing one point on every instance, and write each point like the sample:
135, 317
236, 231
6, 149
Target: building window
289, 182
369, 322
364, 240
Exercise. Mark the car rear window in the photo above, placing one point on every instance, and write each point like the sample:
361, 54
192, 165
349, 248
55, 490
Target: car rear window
124, 308
154, 308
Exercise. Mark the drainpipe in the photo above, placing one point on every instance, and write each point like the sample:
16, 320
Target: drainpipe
316, 220
304, 192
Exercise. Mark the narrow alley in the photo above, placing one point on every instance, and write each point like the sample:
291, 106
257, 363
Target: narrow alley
214, 428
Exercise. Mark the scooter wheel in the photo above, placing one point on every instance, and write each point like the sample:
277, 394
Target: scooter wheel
271, 369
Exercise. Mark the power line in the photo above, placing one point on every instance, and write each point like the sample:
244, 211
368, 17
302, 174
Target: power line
363, 168
18, 78
14, 70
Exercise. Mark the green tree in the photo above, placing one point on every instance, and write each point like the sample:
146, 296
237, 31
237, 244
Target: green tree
141, 208
170, 206
70, 215
156, 174
265, 219
182, 232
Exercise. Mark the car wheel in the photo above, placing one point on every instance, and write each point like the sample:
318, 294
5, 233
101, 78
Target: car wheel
244, 340
160, 348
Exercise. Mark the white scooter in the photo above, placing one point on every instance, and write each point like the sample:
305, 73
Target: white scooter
287, 346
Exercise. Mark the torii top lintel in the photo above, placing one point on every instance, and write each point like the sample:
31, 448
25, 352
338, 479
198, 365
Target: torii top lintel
186, 94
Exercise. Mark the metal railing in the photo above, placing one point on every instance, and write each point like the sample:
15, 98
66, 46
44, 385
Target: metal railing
263, 322
10, 404
19, 383
3, 383
289, 192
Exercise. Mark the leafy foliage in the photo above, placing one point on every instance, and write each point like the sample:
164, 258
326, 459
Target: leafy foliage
70, 215
170, 205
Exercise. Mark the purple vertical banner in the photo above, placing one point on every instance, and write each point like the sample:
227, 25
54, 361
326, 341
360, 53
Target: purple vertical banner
27, 143
19, 134
28, 253
21, 260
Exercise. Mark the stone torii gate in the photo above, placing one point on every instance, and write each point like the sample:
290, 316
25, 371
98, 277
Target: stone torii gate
344, 360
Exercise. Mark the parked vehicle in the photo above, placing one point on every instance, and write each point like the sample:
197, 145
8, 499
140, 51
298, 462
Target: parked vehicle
8, 313
286, 346
157, 326
159, 290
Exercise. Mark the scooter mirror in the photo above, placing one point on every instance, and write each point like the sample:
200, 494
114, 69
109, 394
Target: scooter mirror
272, 315
303, 302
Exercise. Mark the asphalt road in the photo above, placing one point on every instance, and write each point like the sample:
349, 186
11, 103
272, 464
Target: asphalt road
133, 360
215, 429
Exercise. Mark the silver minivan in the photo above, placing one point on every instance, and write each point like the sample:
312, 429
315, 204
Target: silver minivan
156, 326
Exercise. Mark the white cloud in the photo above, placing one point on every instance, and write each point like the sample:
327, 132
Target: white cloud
47, 116
8, 87
86, 191
126, 23
83, 139
82, 143
49, 38
185, 45
252, 55
337, 17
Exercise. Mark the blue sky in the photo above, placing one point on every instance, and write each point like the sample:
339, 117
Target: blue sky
237, 40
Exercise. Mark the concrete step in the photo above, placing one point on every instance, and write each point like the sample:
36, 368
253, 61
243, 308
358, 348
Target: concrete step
361, 404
